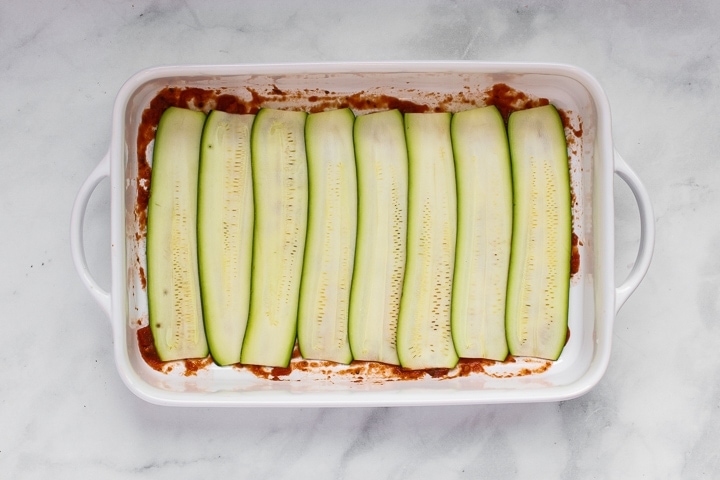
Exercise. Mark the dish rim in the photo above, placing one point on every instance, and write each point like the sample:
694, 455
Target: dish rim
118, 309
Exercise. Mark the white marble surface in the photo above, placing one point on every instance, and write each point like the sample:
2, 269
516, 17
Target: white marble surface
64, 412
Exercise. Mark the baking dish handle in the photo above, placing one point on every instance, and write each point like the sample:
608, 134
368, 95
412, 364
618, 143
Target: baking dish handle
647, 232
100, 172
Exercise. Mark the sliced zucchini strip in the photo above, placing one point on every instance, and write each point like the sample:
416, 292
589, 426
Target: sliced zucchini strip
484, 183
330, 246
175, 310
280, 183
381, 157
424, 330
538, 286
225, 229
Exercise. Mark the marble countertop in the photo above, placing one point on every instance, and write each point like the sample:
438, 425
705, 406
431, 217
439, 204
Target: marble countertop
64, 411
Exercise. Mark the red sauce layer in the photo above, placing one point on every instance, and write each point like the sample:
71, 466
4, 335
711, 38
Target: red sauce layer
505, 98
151, 357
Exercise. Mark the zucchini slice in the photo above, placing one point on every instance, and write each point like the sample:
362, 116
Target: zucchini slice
175, 310
424, 332
280, 180
381, 157
330, 245
484, 189
225, 229
539, 278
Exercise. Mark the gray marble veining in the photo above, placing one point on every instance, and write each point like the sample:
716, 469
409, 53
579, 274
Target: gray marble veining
64, 412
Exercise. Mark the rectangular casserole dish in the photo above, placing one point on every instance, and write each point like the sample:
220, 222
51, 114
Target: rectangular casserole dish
594, 297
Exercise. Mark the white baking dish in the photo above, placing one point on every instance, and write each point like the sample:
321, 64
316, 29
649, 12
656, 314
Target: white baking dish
595, 299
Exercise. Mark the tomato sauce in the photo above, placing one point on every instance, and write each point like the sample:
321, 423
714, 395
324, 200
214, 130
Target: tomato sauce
502, 96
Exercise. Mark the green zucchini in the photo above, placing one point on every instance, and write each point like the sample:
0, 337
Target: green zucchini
330, 245
225, 229
484, 184
175, 310
538, 285
381, 157
280, 181
424, 332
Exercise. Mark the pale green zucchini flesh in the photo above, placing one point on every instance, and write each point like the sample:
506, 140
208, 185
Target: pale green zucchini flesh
424, 337
330, 245
538, 285
484, 189
410, 240
225, 229
175, 310
382, 170
280, 180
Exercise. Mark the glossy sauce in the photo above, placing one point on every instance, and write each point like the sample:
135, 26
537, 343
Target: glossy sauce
151, 357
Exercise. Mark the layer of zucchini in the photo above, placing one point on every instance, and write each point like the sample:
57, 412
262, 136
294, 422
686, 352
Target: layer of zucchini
424, 337
280, 180
175, 311
382, 170
538, 285
225, 229
330, 245
484, 188
408, 240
